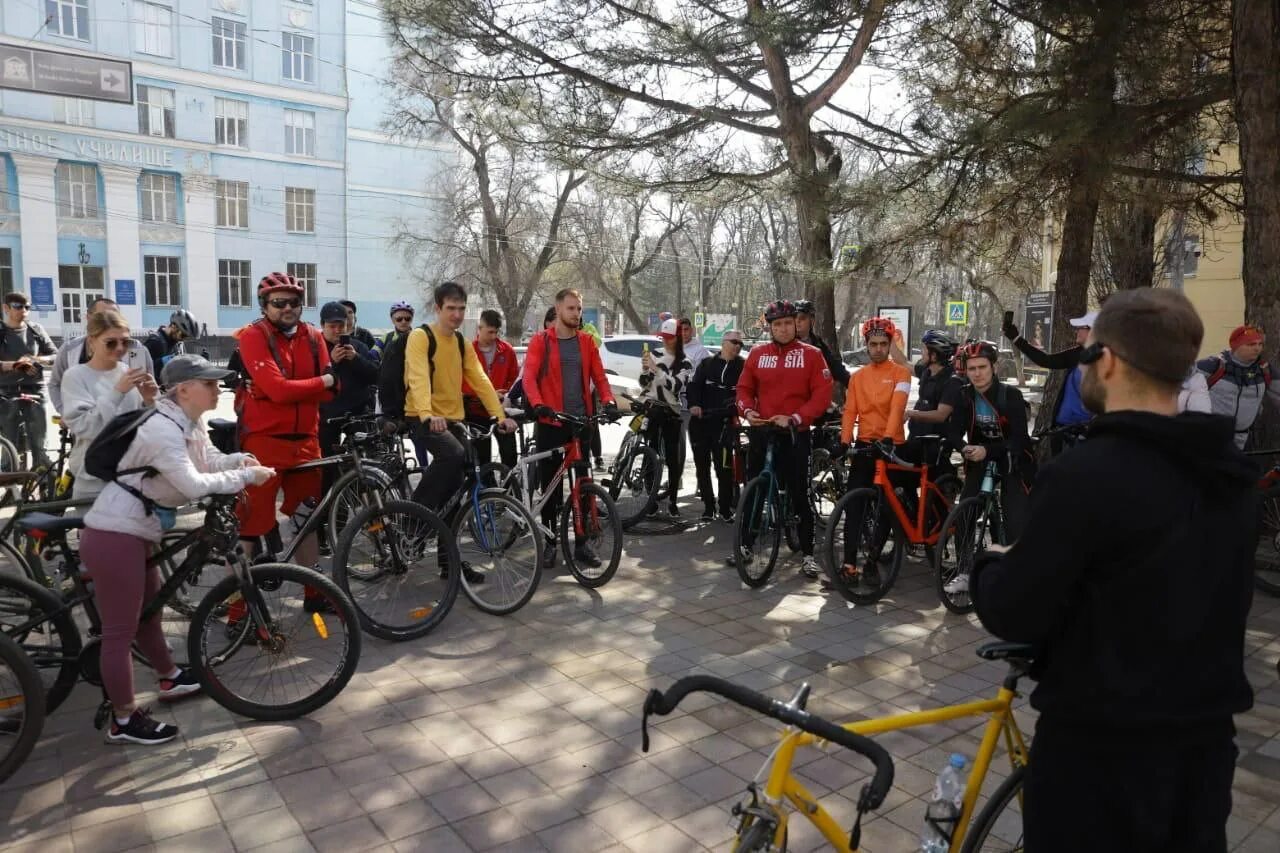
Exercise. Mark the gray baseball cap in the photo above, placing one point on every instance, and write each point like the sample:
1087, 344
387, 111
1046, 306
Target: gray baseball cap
184, 368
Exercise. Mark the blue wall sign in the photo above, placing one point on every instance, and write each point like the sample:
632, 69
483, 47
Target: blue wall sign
42, 293
126, 291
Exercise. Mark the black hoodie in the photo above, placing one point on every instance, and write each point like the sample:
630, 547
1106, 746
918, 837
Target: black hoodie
1133, 577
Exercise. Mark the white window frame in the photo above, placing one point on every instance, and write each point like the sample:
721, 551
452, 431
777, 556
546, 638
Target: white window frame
306, 275
235, 283
77, 190
159, 197
152, 28
156, 106
231, 122
232, 200
297, 57
157, 275
230, 43
300, 132
78, 112
299, 210
68, 18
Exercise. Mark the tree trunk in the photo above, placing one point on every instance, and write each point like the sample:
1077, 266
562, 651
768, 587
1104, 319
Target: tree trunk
1135, 252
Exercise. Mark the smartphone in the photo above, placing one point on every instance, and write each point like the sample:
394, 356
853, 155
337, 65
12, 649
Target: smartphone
344, 340
1008, 318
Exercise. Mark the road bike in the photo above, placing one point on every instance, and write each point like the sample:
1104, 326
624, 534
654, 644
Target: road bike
765, 511
21, 707
634, 479
972, 527
762, 818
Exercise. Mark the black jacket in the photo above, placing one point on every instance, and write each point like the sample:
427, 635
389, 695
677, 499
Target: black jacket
1067, 359
162, 348
715, 384
839, 373
364, 336
961, 428
1133, 576
357, 378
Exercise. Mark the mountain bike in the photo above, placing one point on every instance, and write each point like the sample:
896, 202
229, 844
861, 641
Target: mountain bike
21, 707
634, 480
973, 526
16, 454
764, 512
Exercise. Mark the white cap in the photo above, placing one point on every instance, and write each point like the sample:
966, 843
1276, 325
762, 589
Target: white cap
1085, 322
670, 328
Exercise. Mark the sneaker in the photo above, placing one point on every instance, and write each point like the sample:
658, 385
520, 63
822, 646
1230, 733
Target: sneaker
810, 568
708, 514
673, 511
549, 555
599, 464
742, 558
727, 516
652, 511
326, 550
471, 575
141, 729
183, 684
582, 553
957, 585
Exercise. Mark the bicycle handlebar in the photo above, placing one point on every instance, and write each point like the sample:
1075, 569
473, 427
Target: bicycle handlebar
21, 398
873, 794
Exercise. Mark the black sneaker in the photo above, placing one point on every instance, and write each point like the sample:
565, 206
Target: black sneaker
673, 511
549, 556
652, 511
141, 729
727, 516
184, 684
599, 464
582, 553
708, 514
471, 575
326, 550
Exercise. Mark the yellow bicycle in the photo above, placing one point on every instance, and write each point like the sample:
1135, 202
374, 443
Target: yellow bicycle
762, 819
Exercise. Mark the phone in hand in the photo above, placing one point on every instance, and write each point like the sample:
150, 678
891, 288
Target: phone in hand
344, 340
1008, 318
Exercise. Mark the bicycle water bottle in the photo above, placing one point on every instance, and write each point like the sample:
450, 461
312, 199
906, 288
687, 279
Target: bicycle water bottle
302, 513
944, 808
988, 481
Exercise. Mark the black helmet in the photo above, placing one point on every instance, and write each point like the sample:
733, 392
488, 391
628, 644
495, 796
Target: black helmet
804, 306
185, 322
940, 342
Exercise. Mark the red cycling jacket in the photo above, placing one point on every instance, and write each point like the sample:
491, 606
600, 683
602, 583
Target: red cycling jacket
542, 383
791, 380
288, 382
502, 375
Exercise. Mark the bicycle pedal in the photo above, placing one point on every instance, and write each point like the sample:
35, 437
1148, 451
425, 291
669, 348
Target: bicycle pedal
102, 715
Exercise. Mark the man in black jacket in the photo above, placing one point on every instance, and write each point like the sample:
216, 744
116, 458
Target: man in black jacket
804, 334
712, 395
1135, 610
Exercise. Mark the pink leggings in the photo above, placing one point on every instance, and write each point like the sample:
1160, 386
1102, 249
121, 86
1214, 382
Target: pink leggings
121, 583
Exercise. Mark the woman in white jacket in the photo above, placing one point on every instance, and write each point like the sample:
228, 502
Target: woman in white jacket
112, 382
120, 532
1194, 396
664, 379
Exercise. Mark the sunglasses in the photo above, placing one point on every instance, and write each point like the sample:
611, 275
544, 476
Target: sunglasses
1092, 352
112, 344
17, 307
401, 319
285, 303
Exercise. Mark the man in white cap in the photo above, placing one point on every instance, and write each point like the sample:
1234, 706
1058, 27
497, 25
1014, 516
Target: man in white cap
1068, 410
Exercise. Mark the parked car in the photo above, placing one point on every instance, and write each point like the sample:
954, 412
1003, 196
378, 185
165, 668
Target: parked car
621, 353
618, 384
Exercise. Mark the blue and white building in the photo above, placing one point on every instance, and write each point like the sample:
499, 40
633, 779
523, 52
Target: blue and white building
254, 144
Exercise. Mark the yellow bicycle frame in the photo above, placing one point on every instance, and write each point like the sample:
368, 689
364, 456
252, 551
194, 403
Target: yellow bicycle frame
782, 785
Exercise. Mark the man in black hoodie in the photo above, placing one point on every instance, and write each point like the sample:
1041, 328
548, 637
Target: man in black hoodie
1136, 613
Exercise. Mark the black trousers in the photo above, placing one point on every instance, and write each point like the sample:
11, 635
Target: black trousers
862, 474
1015, 498
666, 428
446, 473
1131, 791
791, 467
547, 436
484, 450
708, 437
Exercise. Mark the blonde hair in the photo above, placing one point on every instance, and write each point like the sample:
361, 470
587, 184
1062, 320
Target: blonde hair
105, 321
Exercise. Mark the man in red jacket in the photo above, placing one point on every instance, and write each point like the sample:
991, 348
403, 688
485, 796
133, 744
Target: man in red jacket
288, 365
561, 367
785, 383
502, 367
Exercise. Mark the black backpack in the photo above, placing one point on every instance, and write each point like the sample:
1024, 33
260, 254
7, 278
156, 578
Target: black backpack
391, 387
102, 459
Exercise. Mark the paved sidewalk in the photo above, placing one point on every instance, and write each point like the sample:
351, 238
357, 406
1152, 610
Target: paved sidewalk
522, 733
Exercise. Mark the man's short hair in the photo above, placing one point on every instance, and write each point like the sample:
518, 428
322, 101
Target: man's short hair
565, 293
98, 300
491, 318
1157, 332
449, 290
16, 298
347, 303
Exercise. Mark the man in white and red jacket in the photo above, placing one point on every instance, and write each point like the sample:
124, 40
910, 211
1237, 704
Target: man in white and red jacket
786, 384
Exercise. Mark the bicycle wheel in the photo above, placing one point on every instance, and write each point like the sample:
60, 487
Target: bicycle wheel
862, 572
197, 585
758, 838
966, 533
939, 508
38, 621
1266, 566
13, 564
998, 827
591, 532
9, 464
400, 565
499, 540
21, 707
634, 484
759, 523
293, 664
353, 492
827, 484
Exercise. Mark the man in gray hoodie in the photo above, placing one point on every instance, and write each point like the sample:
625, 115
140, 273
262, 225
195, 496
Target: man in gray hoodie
1239, 379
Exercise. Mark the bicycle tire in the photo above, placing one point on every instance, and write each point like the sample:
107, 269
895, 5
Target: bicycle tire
13, 563
634, 484
757, 503
860, 589
1266, 566
600, 520
18, 733
53, 644
480, 523
955, 553
361, 486
9, 464
827, 484
758, 838
271, 576
985, 822
399, 532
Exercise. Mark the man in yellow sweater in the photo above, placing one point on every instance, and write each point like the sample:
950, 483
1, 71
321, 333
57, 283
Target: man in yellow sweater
433, 395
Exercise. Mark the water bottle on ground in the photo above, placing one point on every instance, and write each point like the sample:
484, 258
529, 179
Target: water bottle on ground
944, 808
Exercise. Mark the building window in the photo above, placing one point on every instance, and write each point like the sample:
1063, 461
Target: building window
229, 43
6, 272
306, 276
300, 133
299, 210
159, 197
233, 204
68, 18
163, 279
77, 111
233, 284
231, 122
155, 111
77, 185
152, 28
297, 57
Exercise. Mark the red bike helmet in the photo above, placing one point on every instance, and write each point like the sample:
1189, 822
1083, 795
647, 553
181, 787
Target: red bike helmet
979, 349
879, 324
274, 281
778, 310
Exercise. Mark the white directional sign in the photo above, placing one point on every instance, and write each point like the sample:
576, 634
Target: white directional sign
34, 69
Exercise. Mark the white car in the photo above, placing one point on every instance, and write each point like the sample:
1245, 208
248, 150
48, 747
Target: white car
618, 383
621, 353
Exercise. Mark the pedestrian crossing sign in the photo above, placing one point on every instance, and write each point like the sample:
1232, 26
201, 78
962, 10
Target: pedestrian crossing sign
957, 313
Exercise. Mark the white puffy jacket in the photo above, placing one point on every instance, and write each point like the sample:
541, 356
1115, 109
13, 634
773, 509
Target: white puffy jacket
189, 467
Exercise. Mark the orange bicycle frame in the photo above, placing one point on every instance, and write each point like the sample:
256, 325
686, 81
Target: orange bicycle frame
916, 533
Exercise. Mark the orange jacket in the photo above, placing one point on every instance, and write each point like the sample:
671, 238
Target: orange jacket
877, 400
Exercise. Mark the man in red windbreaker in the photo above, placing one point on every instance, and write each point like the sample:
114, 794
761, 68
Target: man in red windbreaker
502, 367
288, 365
785, 383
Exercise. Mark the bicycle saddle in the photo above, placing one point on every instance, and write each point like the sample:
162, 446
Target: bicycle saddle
17, 478
1007, 651
45, 523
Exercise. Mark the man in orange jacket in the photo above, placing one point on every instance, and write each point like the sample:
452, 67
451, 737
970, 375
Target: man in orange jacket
502, 367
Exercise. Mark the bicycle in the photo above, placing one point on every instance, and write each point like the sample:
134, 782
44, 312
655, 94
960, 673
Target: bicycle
972, 527
763, 817
634, 478
21, 707
55, 480
1266, 565
865, 519
254, 632
764, 511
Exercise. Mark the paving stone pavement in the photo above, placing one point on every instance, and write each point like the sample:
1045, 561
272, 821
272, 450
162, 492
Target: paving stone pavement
522, 732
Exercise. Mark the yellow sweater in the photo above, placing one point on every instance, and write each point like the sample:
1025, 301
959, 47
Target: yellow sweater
444, 400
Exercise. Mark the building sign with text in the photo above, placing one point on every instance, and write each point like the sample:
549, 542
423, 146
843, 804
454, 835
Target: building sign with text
35, 69
74, 146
